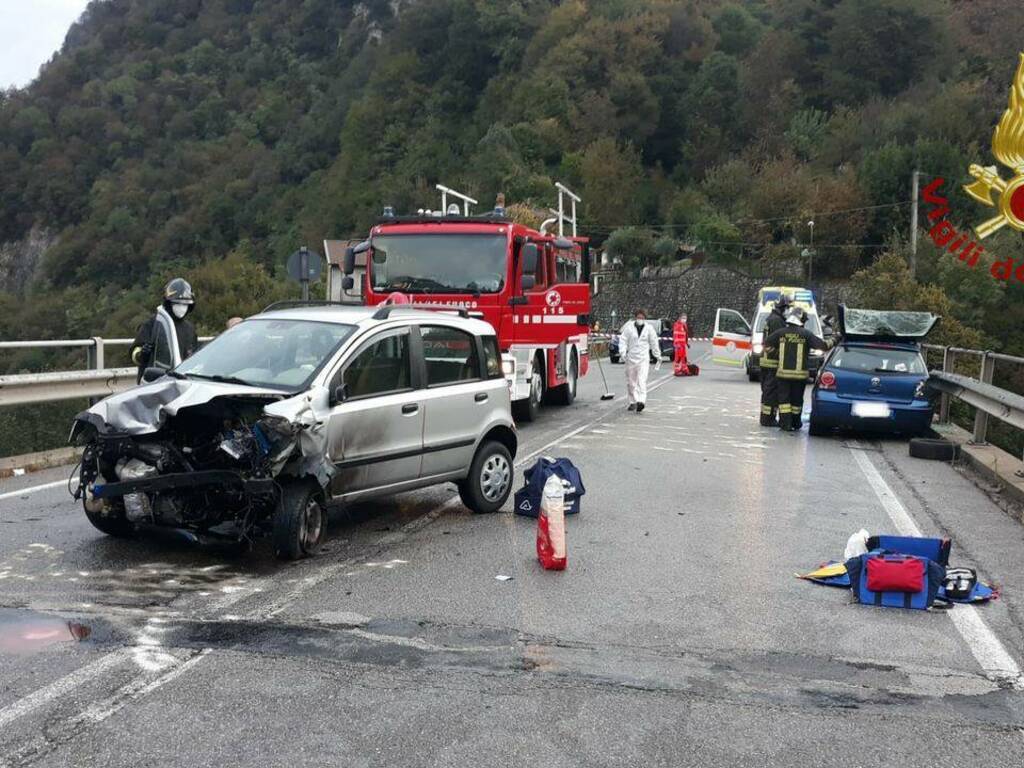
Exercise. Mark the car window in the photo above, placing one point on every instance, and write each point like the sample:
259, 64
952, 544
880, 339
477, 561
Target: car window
161, 347
732, 322
380, 368
450, 355
492, 357
867, 360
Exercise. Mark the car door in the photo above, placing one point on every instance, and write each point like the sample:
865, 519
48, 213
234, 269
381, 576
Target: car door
732, 340
376, 422
456, 398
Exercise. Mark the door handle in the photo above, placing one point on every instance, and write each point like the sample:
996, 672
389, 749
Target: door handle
480, 397
410, 408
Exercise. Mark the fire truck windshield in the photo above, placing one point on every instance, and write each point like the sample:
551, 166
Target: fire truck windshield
439, 263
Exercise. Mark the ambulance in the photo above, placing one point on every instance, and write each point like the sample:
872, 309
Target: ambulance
738, 343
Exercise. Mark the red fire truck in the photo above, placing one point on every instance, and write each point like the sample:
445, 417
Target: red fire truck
531, 285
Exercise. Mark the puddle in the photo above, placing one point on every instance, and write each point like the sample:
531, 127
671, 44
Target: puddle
23, 632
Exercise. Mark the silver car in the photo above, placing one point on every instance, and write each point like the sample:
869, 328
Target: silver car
296, 408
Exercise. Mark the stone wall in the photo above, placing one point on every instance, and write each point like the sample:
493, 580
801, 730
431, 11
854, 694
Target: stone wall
698, 291
19, 259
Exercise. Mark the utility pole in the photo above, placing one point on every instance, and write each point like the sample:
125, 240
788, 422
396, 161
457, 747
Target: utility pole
913, 221
810, 258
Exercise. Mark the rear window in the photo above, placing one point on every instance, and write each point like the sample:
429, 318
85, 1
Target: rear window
872, 360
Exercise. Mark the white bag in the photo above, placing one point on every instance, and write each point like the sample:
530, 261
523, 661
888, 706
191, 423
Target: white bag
856, 545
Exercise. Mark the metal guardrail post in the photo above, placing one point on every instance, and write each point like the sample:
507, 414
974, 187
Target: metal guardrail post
988, 365
97, 354
948, 358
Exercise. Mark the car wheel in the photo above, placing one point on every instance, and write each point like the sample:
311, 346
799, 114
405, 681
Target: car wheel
566, 394
111, 521
936, 449
613, 359
530, 409
490, 479
300, 521
752, 375
816, 429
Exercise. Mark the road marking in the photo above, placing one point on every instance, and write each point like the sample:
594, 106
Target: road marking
986, 647
32, 489
62, 687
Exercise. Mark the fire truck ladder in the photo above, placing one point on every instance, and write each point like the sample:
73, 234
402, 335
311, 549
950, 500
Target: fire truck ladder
466, 201
561, 217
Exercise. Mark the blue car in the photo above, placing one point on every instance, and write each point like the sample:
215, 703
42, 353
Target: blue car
874, 380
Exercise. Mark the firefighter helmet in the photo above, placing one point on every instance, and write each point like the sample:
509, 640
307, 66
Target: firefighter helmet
178, 291
796, 316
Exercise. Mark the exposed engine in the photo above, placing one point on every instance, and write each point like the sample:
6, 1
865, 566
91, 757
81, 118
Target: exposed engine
218, 460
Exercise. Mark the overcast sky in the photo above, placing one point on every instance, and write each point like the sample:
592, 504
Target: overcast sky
31, 31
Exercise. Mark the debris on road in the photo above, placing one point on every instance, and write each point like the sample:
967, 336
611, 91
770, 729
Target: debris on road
503, 577
528, 498
551, 526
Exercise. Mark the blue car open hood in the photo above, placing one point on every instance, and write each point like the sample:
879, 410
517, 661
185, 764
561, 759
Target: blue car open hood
885, 325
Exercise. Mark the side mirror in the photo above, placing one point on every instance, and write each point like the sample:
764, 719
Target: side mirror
348, 283
349, 264
531, 257
529, 281
152, 374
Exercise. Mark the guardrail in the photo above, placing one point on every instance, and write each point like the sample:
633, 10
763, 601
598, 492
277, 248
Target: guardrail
96, 381
987, 399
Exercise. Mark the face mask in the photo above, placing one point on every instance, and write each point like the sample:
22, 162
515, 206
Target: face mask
179, 310
639, 325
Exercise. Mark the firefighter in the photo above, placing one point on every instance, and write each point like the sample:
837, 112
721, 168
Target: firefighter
791, 346
681, 340
638, 345
178, 302
769, 389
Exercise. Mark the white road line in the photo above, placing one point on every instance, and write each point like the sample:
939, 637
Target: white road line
32, 489
986, 647
61, 687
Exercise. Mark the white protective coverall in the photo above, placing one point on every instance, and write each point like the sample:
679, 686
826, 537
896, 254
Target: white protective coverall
635, 350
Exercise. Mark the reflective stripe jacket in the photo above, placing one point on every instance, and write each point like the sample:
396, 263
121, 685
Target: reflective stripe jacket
680, 334
793, 345
774, 322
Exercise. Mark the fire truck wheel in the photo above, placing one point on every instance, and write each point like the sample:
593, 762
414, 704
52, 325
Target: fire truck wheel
529, 409
566, 393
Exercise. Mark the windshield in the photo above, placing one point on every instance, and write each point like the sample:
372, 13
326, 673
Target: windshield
811, 325
872, 360
439, 263
280, 354
888, 323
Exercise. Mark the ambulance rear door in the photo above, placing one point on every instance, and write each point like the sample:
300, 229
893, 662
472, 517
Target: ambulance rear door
732, 341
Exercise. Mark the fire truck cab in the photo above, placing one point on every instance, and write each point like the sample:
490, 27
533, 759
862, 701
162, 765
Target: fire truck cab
532, 285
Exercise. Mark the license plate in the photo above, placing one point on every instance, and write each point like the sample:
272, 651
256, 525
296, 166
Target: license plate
871, 410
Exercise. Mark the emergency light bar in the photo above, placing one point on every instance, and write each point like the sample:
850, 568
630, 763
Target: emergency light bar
466, 200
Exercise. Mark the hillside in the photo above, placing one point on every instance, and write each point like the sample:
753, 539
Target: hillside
212, 137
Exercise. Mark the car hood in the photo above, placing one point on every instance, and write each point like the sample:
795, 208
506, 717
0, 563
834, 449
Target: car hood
885, 325
144, 409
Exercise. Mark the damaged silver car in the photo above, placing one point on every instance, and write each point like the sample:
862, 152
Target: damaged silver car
297, 408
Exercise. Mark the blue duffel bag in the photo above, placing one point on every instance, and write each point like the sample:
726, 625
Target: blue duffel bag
527, 498
895, 580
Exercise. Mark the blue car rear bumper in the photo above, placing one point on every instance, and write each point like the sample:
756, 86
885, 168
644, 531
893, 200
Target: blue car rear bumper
828, 410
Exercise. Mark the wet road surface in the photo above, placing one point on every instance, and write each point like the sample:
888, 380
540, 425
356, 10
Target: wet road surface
677, 635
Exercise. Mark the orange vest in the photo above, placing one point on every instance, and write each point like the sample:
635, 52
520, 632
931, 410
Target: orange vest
679, 333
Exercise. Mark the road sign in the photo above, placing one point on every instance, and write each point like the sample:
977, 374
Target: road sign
305, 265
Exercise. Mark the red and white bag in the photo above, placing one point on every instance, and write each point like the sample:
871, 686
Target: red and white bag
551, 526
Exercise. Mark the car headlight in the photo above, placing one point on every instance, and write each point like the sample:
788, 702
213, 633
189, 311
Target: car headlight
758, 349
919, 390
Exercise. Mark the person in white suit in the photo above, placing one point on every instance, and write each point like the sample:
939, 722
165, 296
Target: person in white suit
637, 344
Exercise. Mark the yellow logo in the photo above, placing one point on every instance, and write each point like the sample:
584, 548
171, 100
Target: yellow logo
1008, 149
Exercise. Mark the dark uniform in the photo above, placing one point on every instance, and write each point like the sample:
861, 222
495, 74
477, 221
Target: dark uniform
793, 344
146, 341
769, 363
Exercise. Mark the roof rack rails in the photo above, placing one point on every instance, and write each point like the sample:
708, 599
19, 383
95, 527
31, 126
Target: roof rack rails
385, 310
295, 303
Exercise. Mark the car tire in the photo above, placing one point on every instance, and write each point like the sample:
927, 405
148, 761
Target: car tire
613, 359
300, 521
529, 410
753, 375
489, 483
935, 449
115, 524
566, 393
815, 429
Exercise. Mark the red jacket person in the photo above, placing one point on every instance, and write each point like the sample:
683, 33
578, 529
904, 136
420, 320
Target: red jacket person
681, 340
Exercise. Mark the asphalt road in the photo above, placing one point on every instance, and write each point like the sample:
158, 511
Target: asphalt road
677, 636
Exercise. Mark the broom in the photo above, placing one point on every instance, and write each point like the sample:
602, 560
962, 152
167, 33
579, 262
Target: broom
607, 395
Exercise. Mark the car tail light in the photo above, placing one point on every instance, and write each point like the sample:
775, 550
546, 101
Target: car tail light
827, 380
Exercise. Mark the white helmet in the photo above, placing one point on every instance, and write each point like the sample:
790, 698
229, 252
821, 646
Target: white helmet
796, 316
